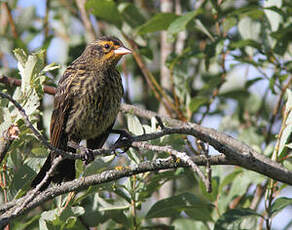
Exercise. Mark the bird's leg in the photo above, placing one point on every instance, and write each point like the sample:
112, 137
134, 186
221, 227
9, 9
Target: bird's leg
87, 155
125, 140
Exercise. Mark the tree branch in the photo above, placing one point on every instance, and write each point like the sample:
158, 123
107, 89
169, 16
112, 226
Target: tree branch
232, 148
6, 139
236, 153
245, 156
101, 178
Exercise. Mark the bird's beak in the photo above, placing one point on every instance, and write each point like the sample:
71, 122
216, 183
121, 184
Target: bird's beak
122, 51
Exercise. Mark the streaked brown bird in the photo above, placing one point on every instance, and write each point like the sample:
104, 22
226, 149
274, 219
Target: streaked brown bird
86, 104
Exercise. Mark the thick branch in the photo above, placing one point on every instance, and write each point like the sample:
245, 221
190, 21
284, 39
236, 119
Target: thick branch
236, 153
244, 155
232, 148
104, 177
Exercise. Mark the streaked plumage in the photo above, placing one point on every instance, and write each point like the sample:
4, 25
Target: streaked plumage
86, 103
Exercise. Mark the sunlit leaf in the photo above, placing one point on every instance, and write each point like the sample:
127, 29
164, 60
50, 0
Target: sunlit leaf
134, 125
273, 17
181, 22
158, 22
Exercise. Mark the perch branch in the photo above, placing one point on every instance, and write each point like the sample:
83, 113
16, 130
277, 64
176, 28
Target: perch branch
101, 178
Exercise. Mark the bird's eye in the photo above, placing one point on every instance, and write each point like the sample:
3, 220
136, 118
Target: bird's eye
106, 46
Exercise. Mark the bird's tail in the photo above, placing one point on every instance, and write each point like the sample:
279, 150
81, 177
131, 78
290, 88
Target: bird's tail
42, 173
65, 171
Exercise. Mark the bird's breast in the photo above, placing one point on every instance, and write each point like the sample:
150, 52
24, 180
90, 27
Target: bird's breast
96, 105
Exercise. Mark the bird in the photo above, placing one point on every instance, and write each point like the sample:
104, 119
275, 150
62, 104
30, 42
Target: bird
86, 105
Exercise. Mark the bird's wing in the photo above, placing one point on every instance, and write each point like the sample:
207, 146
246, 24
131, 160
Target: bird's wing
62, 107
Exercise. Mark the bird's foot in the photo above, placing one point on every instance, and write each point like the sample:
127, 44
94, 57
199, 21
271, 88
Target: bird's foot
125, 140
86, 154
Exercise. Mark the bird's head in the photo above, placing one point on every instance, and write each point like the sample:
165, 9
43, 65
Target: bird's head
106, 51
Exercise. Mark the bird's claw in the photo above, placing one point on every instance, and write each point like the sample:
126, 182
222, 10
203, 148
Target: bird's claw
125, 140
86, 154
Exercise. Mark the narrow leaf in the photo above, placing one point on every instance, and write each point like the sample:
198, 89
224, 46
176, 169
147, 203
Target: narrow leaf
181, 22
280, 204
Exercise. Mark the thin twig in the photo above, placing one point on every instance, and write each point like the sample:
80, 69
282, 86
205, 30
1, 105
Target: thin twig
32, 128
46, 19
277, 109
205, 149
6, 140
244, 155
179, 155
85, 19
16, 82
10, 18
144, 70
151, 81
101, 178
33, 193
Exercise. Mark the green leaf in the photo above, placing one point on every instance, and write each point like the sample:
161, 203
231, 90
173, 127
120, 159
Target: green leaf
280, 204
215, 186
288, 163
235, 94
105, 205
196, 102
193, 206
229, 179
251, 10
67, 219
134, 125
106, 10
284, 139
242, 181
91, 216
228, 23
287, 131
274, 17
184, 223
50, 67
244, 43
99, 164
21, 56
289, 146
159, 22
288, 106
232, 219
40, 151
181, 22
21, 177
200, 26
249, 83
146, 52
119, 217
131, 14
32, 102
249, 30
157, 180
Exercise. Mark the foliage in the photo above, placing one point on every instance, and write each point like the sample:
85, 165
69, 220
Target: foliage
233, 73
